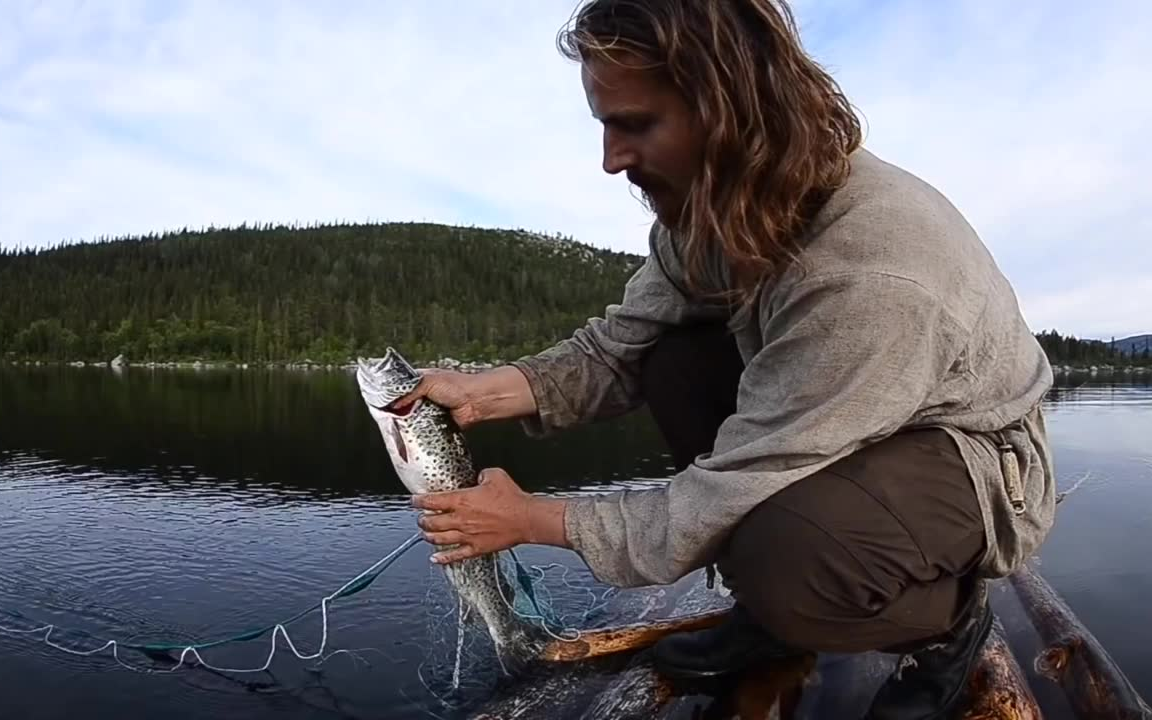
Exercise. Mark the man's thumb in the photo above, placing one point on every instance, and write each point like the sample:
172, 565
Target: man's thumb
415, 394
488, 474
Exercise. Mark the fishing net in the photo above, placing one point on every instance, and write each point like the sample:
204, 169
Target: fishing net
168, 657
459, 663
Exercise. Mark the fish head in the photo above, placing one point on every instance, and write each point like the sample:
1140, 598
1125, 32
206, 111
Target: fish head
385, 380
382, 382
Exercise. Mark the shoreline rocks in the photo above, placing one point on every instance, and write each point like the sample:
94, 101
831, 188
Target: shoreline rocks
446, 363
120, 362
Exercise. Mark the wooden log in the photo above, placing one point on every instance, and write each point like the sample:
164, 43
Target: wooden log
626, 638
555, 691
638, 692
998, 689
1073, 658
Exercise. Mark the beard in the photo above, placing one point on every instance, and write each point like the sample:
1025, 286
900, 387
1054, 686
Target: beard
658, 198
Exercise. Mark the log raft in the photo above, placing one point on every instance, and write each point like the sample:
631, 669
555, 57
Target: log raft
813, 688
1073, 658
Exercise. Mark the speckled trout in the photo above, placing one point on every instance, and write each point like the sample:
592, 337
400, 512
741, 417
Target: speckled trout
429, 453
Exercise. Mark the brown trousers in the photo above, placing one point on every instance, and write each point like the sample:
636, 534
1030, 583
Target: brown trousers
875, 552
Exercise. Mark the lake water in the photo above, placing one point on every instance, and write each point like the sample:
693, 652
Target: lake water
180, 507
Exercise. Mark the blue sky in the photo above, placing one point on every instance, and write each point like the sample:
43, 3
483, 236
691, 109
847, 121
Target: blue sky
124, 117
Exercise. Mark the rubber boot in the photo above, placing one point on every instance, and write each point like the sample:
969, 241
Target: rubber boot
735, 644
929, 683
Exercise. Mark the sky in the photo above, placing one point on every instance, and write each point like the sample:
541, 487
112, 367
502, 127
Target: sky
122, 117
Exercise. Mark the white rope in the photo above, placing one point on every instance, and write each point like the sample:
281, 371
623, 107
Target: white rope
191, 649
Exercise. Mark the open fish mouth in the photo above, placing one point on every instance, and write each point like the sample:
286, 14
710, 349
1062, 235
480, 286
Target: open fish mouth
385, 380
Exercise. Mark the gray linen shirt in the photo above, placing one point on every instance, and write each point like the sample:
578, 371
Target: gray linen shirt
896, 316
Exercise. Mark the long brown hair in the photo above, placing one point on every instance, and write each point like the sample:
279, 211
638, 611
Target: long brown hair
778, 130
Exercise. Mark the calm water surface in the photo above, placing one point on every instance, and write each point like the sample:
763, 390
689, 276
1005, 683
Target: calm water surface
182, 507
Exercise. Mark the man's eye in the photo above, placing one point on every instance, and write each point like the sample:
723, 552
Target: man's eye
632, 125
637, 125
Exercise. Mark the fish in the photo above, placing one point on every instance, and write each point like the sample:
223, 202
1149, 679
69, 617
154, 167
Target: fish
430, 454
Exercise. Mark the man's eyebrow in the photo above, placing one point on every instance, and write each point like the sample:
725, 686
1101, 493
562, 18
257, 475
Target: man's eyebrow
623, 115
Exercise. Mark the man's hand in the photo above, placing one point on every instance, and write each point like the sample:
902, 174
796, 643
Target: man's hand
493, 516
455, 391
473, 398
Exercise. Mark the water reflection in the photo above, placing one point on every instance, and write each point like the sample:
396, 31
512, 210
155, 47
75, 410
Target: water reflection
1086, 389
297, 435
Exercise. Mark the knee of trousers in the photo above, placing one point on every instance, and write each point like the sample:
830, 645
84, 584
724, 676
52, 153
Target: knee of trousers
804, 586
687, 358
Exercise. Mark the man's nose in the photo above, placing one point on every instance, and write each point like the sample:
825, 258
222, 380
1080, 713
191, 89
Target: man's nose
618, 156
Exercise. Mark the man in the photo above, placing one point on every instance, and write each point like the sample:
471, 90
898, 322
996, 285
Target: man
843, 375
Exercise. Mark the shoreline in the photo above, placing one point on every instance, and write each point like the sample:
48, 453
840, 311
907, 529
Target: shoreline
446, 363
1093, 370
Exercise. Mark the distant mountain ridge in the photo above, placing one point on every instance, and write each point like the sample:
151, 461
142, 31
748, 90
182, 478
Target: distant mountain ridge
1134, 345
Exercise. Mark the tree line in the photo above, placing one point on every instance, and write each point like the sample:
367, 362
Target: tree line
327, 293
287, 293
1070, 350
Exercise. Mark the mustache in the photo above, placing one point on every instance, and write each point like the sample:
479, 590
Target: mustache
645, 183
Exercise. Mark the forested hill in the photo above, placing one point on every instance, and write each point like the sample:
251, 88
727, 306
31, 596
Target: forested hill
324, 293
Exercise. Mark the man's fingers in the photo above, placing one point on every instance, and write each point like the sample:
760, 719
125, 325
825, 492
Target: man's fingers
462, 552
440, 501
437, 523
450, 537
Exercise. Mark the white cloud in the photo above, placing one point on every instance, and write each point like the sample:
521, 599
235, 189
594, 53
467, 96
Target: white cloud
122, 116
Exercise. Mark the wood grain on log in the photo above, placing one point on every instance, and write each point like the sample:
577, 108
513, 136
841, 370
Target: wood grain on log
1073, 658
998, 689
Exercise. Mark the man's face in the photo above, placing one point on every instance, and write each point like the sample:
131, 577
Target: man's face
649, 132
